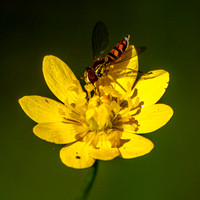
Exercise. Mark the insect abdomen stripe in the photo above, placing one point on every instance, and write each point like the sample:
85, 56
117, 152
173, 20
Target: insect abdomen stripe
118, 49
123, 46
112, 56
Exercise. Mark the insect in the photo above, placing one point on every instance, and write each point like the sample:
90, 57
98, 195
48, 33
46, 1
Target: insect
101, 65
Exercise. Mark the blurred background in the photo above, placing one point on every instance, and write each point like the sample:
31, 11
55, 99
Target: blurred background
30, 168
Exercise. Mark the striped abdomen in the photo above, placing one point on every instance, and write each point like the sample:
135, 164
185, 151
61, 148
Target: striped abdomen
117, 51
100, 66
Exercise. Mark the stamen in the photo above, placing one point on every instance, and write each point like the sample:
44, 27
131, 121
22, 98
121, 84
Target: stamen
70, 121
89, 88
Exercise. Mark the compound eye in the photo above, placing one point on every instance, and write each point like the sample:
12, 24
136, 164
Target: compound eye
91, 76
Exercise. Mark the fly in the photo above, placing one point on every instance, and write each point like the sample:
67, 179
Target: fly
101, 65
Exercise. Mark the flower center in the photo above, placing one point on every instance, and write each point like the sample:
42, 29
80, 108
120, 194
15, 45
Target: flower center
111, 112
99, 114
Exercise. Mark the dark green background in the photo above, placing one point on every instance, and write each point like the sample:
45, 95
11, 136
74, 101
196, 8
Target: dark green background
30, 168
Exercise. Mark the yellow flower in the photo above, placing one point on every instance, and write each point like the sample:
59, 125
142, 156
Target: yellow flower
123, 71
101, 127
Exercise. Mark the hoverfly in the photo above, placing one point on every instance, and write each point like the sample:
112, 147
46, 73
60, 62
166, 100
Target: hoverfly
122, 52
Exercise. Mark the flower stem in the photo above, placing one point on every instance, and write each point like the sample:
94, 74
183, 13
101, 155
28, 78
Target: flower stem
84, 192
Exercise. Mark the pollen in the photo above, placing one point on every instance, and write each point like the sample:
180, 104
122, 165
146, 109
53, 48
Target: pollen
99, 113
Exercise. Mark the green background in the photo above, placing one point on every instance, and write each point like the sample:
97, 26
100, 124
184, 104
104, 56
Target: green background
30, 169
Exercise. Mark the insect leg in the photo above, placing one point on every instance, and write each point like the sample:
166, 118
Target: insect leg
112, 79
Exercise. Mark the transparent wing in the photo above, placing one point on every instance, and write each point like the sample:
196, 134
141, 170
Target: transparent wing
122, 68
140, 50
100, 39
129, 53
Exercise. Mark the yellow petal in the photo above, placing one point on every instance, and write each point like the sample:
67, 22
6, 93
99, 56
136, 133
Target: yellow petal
153, 117
152, 86
135, 147
42, 109
60, 79
77, 155
103, 150
123, 71
59, 133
